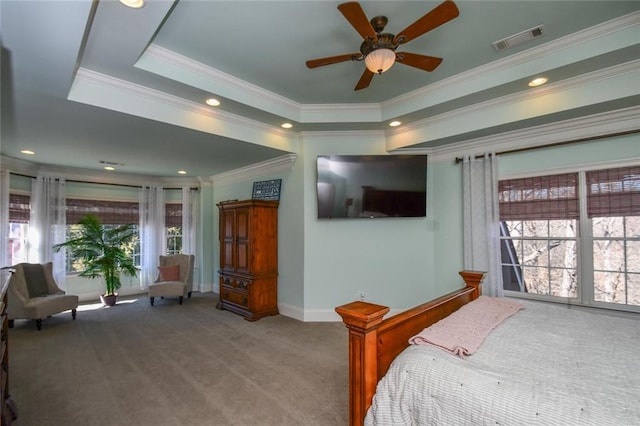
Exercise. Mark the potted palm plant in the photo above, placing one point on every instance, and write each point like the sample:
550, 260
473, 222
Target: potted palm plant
101, 251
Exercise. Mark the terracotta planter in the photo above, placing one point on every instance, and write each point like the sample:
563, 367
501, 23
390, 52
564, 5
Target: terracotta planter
109, 300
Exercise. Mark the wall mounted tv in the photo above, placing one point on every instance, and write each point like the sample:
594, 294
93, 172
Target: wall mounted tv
371, 186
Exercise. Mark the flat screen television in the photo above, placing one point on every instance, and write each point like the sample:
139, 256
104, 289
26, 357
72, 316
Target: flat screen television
371, 186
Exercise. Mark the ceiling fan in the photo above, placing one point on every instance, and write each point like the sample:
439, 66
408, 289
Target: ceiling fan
378, 50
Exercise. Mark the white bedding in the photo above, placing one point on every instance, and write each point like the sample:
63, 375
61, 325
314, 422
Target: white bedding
548, 364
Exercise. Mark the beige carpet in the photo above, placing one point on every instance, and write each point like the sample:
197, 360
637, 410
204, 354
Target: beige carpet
177, 365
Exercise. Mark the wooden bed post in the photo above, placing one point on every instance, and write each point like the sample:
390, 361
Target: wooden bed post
374, 342
362, 320
473, 279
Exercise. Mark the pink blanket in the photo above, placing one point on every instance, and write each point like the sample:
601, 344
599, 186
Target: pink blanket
462, 332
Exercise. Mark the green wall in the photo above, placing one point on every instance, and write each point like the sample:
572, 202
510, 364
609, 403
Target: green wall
394, 262
390, 260
445, 198
290, 233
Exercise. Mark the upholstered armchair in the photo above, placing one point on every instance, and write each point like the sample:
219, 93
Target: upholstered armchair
34, 294
175, 277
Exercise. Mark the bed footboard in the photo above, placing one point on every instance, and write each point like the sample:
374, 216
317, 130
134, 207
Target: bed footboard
374, 342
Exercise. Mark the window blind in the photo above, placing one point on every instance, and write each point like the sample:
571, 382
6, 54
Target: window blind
613, 192
539, 198
19, 208
173, 215
109, 212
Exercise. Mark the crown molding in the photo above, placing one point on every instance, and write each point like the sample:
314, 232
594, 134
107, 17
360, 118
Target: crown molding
275, 165
340, 113
323, 134
110, 82
304, 113
230, 86
223, 79
519, 97
20, 166
517, 59
33, 169
588, 127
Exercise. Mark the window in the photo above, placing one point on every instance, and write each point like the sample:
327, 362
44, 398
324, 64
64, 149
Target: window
539, 223
552, 250
111, 213
19, 211
613, 206
173, 227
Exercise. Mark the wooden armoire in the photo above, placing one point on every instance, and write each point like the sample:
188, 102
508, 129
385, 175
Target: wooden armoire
249, 258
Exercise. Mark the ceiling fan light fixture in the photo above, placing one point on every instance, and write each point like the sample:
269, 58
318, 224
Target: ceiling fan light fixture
380, 60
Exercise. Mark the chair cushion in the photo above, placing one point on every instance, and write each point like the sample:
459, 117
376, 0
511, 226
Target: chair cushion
167, 289
36, 281
169, 273
42, 307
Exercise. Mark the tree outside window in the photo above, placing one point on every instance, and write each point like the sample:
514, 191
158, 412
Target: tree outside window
543, 252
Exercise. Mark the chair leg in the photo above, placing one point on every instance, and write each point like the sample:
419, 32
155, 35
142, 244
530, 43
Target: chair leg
151, 300
39, 324
74, 312
180, 299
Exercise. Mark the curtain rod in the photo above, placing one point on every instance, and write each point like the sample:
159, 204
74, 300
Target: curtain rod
530, 148
99, 183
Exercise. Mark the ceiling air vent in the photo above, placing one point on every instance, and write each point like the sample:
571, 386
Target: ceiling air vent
111, 163
519, 38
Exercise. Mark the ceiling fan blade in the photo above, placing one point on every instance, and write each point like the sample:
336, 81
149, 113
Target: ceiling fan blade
358, 19
313, 63
445, 12
426, 63
365, 80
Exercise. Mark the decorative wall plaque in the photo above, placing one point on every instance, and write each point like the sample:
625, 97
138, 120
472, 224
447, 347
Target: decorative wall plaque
267, 190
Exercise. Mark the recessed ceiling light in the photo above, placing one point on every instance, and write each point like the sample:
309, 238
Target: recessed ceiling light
134, 4
538, 81
395, 123
213, 102
286, 125
182, 172
28, 152
110, 168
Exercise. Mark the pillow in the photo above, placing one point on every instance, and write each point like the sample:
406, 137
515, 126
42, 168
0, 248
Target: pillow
36, 282
169, 273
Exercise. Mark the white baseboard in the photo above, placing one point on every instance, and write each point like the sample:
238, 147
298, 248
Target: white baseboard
291, 311
321, 315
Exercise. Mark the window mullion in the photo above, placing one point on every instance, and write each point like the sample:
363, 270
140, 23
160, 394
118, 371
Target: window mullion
585, 246
625, 258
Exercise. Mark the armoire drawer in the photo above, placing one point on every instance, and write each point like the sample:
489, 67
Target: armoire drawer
235, 283
238, 297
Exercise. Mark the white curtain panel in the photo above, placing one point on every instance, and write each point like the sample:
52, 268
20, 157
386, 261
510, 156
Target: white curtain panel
4, 218
189, 220
47, 225
481, 220
190, 209
152, 232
